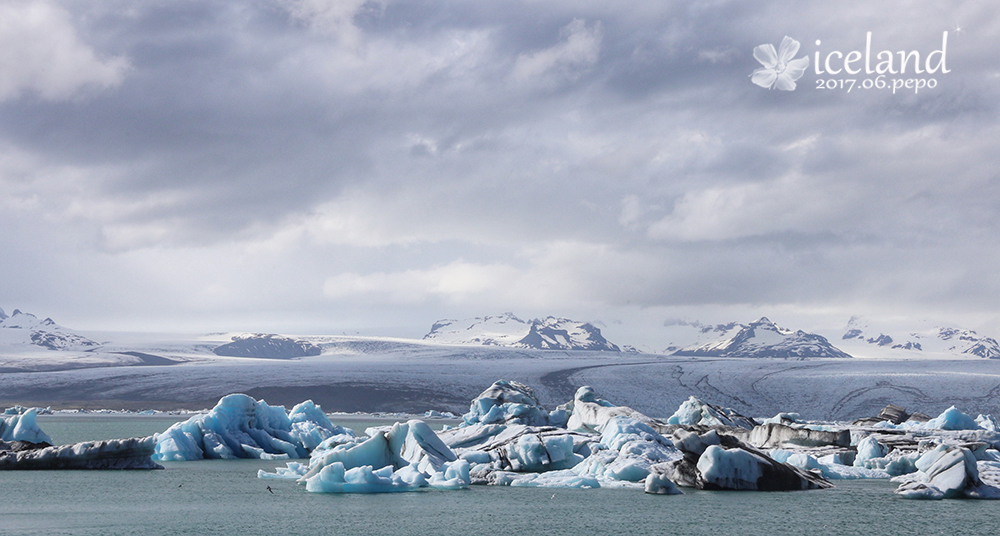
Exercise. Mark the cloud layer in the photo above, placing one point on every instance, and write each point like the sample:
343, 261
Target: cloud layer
322, 165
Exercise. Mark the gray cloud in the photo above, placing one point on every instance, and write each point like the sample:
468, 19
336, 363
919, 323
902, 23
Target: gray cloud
223, 163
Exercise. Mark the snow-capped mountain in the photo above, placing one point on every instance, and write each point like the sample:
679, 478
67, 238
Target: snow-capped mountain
681, 334
508, 330
25, 328
863, 336
267, 346
761, 339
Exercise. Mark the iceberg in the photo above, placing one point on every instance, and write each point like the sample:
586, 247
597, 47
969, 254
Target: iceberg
506, 402
23, 427
587, 413
745, 469
406, 457
241, 427
952, 419
133, 453
943, 473
335, 478
695, 412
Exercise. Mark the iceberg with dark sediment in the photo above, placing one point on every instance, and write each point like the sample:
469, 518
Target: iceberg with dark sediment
695, 412
133, 453
24, 446
507, 402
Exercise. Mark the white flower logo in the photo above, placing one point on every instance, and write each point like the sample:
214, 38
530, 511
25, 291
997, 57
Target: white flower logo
780, 70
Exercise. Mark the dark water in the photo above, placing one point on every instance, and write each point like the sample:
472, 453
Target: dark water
225, 497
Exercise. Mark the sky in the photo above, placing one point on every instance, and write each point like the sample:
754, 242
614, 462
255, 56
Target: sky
348, 166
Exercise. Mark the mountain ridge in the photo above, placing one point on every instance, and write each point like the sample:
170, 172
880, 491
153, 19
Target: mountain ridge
507, 330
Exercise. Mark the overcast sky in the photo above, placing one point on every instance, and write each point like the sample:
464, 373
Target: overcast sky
329, 166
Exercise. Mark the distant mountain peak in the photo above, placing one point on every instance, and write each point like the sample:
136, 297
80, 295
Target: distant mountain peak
937, 341
22, 328
549, 333
763, 338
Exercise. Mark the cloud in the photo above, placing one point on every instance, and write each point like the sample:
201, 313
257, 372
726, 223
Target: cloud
456, 282
315, 157
41, 54
578, 51
788, 205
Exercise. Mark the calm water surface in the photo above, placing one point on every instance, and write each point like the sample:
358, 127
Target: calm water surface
226, 497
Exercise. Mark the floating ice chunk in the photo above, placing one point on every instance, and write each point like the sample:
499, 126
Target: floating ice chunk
741, 468
589, 413
292, 471
310, 426
952, 419
553, 479
373, 451
415, 442
988, 422
507, 402
944, 472
410, 455
783, 418
735, 469
694, 411
869, 448
240, 427
133, 453
661, 485
537, 453
334, 478
780, 435
23, 427
632, 449
454, 475
828, 465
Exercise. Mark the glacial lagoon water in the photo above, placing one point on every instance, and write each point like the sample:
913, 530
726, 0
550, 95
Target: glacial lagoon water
226, 497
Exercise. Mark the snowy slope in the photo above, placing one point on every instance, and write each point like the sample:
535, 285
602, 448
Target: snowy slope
681, 334
763, 339
507, 330
864, 336
501, 330
383, 374
23, 329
